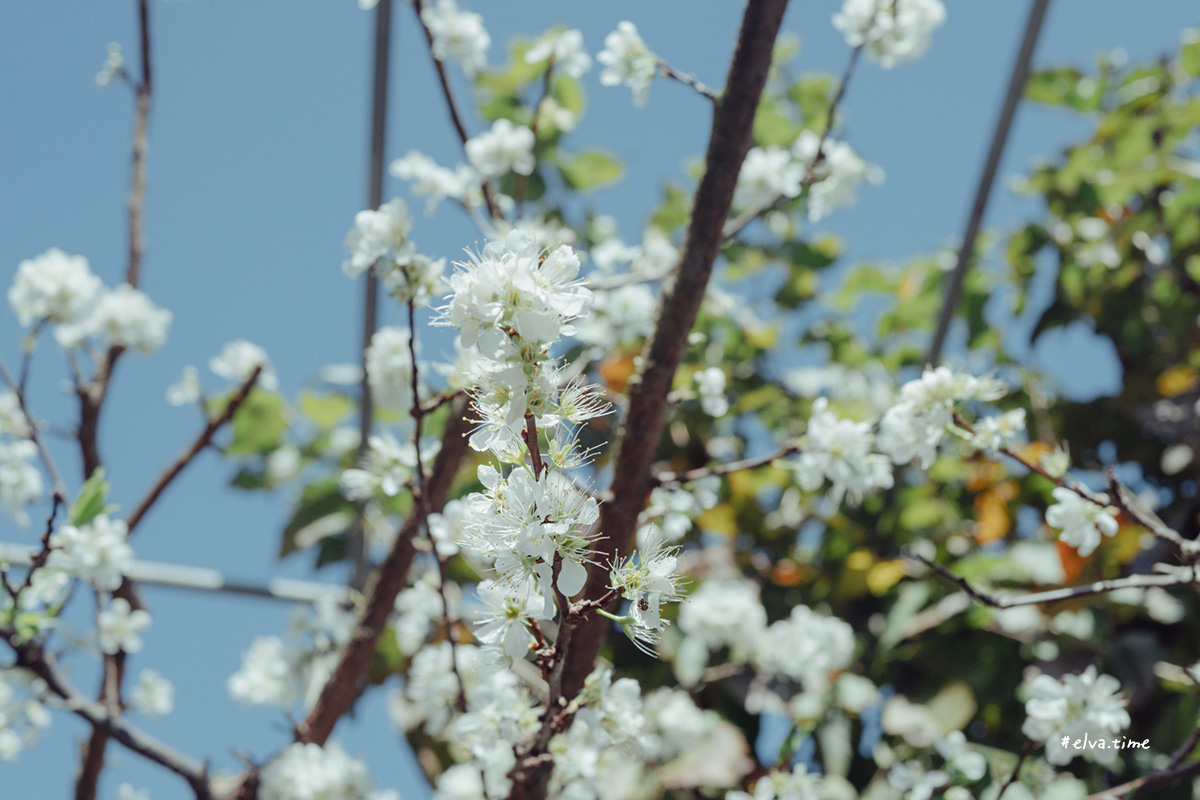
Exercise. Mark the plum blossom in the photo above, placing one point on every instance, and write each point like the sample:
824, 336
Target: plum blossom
1082, 523
893, 31
53, 286
238, 360
119, 627
564, 49
457, 35
1085, 704
628, 61
97, 552
503, 148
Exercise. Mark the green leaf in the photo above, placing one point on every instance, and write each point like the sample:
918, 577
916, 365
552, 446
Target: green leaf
569, 93
1189, 52
259, 424
326, 410
90, 502
674, 211
772, 126
320, 513
590, 169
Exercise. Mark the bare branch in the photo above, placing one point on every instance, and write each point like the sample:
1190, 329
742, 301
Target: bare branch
201, 442
1137, 511
687, 79
724, 469
31, 657
1183, 576
729, 142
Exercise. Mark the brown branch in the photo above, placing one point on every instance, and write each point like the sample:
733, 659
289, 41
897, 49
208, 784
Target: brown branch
530, 434
91, 397
725, 469
1133, 508
729, 142
1182, 577
1026, 751
342, 688
1156, 778
30, 656
1016, 85
452, 106
686, 79
201, 442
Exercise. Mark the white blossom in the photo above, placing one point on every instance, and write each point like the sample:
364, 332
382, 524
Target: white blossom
915, 782
153, 694
114, 65
893, 31
994, 433
389, 368
53, 286
187, 389
1082, 523
458, 35
1086, 704
121, 317
953, 747
647, 580
564, 49
377, 234
724, 613
267, 674
799, 784
767, 174
311, 772
628, 61
20, 480
503, 148
126, 791
710, 386
840, 451
836, 176
98, 552
238, 359
23, 717
436, 183
807, 647
505, 624
119, 627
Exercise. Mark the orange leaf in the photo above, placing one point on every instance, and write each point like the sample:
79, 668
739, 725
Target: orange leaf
616, 370
991, 517
1072, 562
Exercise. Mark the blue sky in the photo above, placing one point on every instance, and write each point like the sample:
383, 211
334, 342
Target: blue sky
256, 168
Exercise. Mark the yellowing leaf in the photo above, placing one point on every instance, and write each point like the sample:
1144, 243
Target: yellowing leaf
1177, 380
884, 575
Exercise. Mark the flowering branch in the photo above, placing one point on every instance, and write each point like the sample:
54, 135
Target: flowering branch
30, 656
1181, 577
633, 478
452, 106
1130, 505
60, 488
725, 469
201, 442
342, 688
687, 79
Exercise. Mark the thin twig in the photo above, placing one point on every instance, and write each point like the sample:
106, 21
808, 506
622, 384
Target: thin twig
1016, 85
30, 656
1156, 778
1026, 750
452, 106
1133, 507
1179, 577
60, 488
197, 446
724, 469
687, 79
738, 224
